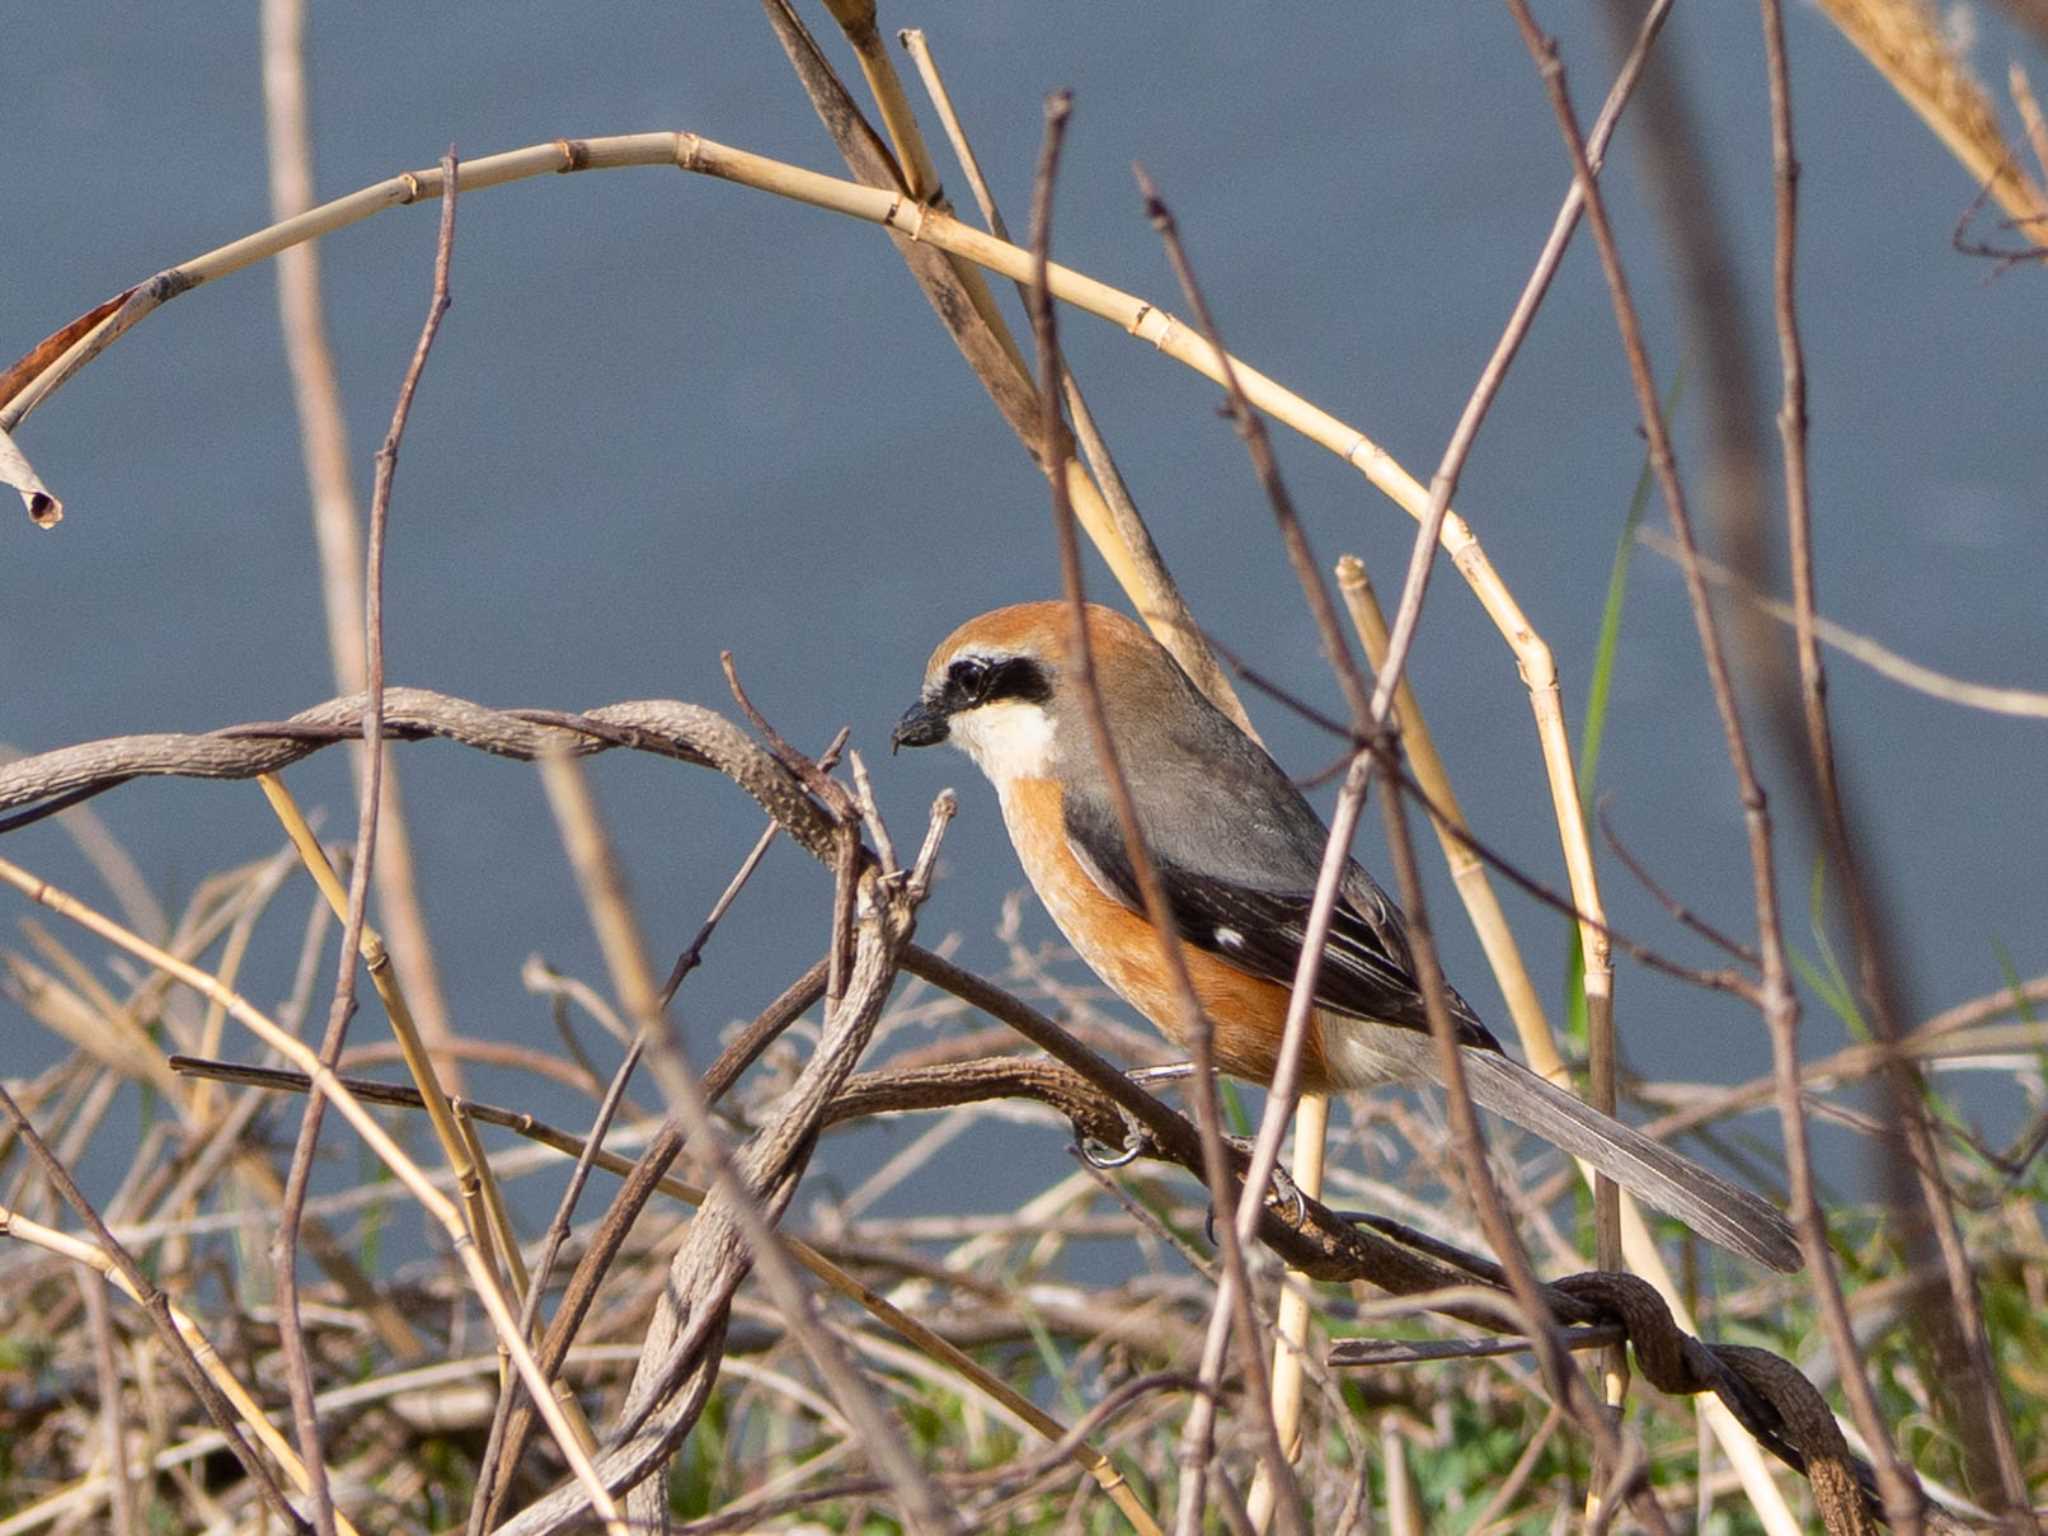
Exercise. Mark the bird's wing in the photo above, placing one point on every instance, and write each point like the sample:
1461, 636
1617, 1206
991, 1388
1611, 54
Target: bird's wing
1367, 971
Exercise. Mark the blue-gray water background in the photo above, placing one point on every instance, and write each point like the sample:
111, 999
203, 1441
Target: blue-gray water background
668, 416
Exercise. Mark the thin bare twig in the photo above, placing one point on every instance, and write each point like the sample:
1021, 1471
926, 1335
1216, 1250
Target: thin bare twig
336, 517
1284, 1088
1677, 910
1194, 1024
285, 1245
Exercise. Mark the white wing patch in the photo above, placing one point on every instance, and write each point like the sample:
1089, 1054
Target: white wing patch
1230, 938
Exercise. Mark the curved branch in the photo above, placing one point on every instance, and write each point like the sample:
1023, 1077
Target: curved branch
666, 727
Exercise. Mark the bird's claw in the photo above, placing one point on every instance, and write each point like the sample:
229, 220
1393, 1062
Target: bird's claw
1099, 1155
1282, 1190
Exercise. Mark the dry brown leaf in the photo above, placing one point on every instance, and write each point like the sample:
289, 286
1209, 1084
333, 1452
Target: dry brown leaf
44, 509
54, 346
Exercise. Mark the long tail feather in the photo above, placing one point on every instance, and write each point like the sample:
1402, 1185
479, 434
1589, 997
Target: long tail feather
1716, 1209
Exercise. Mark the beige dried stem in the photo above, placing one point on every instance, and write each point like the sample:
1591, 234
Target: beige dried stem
482, 1278
471, 1173
1123, 539
1906, 42
914, 169
81, 1009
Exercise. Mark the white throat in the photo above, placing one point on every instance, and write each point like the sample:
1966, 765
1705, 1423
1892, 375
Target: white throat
1008, 740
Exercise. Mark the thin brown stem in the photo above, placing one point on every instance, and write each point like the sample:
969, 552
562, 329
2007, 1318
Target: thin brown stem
1539, 1322
1235, 1293
1780, 1003
285, 1245
336, 517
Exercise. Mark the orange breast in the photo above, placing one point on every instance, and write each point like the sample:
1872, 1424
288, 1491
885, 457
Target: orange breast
1247, 1013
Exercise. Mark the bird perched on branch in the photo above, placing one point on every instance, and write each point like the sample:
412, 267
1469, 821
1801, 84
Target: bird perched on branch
1237, 849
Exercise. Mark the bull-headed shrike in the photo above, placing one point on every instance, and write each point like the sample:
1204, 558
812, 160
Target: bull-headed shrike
1238, 850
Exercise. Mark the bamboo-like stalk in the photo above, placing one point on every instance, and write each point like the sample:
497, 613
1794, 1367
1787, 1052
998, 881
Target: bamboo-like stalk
14, 1224
482, 1277
1290, 1320
856, 19
471, 1173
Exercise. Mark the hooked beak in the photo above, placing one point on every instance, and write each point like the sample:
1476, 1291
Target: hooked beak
922, 725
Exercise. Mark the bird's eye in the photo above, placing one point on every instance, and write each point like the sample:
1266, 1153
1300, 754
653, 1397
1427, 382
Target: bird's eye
968, 677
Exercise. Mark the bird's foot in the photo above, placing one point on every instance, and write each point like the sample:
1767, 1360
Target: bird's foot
1098, 1154
1282, 1191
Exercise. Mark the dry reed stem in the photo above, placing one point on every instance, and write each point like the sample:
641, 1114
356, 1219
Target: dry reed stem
1296, 1307
1904, 41
529, 1316
388, 1151
284, 1245
916, 173
1233, 1299
472, 1175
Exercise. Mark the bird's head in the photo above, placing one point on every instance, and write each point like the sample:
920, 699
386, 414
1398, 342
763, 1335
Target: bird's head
996, 686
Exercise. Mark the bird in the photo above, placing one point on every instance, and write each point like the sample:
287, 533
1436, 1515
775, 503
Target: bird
1238, 849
